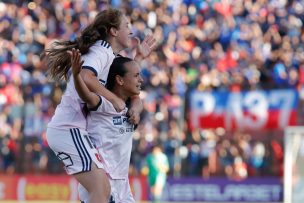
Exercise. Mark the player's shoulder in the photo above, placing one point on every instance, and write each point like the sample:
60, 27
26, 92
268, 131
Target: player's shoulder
108, 107
102, 46
100, 51
106, 104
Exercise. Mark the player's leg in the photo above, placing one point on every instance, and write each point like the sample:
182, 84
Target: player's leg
84, 194
158, 187
96, 183
152, 182
75, 149
121, 191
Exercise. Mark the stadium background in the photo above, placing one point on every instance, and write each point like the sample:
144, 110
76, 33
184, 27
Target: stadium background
222, 47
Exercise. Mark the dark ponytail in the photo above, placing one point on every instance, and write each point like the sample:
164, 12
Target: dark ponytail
58, 60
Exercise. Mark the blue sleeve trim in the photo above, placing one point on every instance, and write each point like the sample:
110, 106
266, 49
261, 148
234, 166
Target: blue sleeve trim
97, 106
90, 68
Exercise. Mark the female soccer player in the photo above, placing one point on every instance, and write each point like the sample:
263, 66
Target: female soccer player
67, 136
111, 131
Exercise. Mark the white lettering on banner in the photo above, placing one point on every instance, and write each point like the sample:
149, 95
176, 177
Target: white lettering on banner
208, 191
188, 192
21, 189
285, 99
231, 192
257, 105
181, 192
257, 110
276, 190
249, 192
203, 104
234, 110
2, 190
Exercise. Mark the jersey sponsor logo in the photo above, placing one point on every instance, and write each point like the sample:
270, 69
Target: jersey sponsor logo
129, 130
119, 120
124, 120
121, 130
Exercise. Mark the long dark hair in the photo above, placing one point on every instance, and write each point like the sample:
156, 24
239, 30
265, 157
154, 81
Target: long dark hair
117, 68
57, 58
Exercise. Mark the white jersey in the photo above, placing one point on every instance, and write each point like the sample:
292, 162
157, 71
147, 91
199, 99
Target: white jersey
69, 113
111, 132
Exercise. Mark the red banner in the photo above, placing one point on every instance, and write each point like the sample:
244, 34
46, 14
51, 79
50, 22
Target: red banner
8, 185
139, 188
38, 188
50, 187
47, 188
252, 110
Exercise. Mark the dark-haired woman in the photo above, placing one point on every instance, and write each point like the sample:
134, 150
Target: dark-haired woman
110, 131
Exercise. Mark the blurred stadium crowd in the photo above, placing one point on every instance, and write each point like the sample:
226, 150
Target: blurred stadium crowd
204, 45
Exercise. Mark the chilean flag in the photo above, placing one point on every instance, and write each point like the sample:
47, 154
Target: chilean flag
252, 110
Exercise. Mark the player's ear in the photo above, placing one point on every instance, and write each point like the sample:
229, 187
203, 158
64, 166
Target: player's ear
113, 31
119, 80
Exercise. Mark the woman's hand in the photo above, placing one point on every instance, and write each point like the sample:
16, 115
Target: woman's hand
90, 98
145, 48
135, 110
76, 62
134, 115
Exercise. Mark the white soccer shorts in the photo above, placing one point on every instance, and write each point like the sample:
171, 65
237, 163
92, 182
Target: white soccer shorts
120, 192
74, 148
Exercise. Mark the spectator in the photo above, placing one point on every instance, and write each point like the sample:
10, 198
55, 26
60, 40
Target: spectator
158, 167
